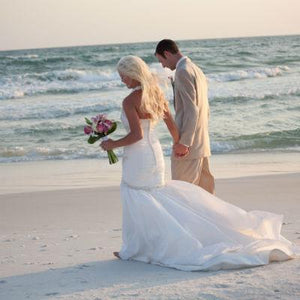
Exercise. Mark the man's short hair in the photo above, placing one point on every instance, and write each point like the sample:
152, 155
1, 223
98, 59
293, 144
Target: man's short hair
166, 45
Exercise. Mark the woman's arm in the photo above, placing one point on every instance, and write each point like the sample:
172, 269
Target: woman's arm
168, 119
136, 132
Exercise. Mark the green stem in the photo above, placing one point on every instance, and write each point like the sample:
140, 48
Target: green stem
112, 157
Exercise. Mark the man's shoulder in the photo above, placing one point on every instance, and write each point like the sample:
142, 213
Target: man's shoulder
184, 69
183, 75
194, 69
188, 72
187, 65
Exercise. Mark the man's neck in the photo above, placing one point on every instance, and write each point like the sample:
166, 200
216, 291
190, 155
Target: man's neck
178, 57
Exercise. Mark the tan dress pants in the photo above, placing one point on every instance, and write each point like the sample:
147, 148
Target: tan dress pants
195, 171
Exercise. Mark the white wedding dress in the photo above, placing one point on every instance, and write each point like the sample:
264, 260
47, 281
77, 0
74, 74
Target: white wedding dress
180, 225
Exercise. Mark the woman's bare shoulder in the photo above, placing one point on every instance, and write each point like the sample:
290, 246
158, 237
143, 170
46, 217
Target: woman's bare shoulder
132, 100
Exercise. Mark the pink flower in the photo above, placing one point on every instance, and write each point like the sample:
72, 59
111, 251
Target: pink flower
101, 128
88, 129
108, 123
99, 118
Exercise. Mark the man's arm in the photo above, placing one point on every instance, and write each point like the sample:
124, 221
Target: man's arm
185, 86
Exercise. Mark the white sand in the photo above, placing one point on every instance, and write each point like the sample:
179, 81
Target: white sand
59, 244
57, 175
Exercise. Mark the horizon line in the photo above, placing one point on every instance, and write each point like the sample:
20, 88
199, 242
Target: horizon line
125, 43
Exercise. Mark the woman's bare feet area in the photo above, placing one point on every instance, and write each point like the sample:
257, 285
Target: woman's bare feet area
116, 254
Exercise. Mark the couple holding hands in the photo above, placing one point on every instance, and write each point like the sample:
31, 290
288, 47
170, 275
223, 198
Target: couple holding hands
181, 223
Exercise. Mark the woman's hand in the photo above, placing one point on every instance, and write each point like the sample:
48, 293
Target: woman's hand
107, 145
180, 150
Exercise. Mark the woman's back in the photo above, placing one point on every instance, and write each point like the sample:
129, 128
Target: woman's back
143, 161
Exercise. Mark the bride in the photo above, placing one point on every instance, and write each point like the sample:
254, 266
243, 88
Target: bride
177, 224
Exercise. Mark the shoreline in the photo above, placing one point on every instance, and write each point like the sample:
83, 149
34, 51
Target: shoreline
51, 175
116, 186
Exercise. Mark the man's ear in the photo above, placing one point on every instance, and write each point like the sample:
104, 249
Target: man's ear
167, 54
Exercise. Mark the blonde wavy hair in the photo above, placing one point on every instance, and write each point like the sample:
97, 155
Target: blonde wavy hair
153, 102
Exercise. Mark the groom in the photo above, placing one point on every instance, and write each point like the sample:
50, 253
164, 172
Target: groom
190, 157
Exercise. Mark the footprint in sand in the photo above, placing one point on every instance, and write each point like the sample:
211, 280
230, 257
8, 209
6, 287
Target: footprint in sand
9, 240
43, 248
73, 236
8, 260
96, 248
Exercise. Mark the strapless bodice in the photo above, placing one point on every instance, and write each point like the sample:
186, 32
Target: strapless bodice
143, 162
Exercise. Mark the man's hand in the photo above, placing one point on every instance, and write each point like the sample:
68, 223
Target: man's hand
180, 150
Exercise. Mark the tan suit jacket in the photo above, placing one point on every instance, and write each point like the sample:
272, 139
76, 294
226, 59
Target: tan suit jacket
192, 109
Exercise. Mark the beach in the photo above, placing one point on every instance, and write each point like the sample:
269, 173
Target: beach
60, 207
57, 239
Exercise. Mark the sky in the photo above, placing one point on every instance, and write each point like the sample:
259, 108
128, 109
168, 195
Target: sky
26, 24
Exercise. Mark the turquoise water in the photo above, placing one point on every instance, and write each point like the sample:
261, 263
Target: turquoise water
254, 95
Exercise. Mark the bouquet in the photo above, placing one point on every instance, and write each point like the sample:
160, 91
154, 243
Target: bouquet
100, 127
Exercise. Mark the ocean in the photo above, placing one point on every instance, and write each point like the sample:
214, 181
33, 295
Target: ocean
45, 94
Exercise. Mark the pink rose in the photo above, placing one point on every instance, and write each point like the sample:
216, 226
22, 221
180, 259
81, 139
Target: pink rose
88, 129
98, 118
108, 123
100, 128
